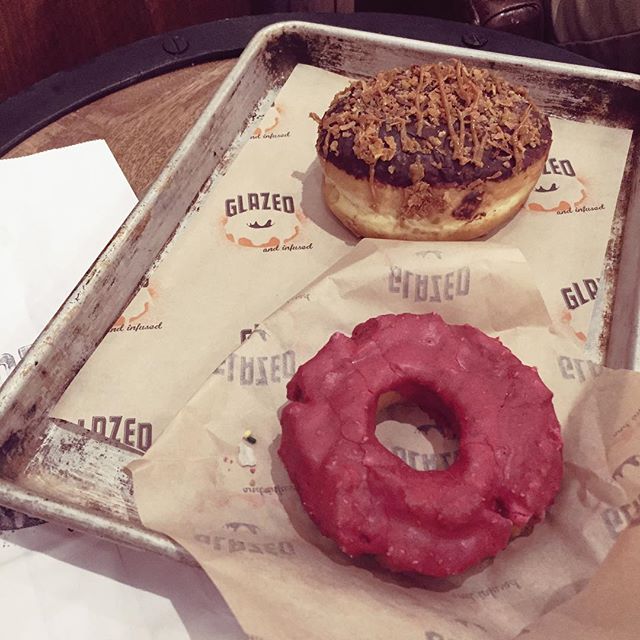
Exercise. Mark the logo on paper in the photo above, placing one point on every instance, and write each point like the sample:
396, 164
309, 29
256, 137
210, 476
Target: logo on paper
245, 334
566, 320
128, 431
233, 545
258, 370
626, 467
574, 296
578, 369
261, 219
429, 287
8, 362
430, 252
136, 315
270, 127
617, 519
558, 190
579, 293
239, 526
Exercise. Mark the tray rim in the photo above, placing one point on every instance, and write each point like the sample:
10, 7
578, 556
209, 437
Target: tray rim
533, 63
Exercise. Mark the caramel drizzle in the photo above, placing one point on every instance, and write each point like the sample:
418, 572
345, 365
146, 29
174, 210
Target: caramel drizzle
455, 141
471, 107
518, 148
419, 114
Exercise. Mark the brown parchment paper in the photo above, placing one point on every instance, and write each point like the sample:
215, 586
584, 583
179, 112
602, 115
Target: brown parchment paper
252, 243
282, 579
212, 287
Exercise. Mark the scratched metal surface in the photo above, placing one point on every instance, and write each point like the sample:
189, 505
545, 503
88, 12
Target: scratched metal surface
58, 471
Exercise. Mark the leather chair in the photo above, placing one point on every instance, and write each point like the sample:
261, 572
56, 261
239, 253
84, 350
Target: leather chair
524, 18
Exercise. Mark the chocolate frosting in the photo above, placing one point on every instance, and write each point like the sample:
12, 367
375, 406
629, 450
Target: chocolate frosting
442, 124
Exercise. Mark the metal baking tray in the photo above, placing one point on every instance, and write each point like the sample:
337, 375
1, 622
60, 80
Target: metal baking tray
61, 472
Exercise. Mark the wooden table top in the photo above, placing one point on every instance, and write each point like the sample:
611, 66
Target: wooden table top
142, 124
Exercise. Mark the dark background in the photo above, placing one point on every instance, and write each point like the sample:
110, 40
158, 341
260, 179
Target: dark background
40, 37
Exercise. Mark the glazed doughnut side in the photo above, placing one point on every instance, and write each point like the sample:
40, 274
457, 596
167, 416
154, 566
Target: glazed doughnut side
437, 523
479, 211
450, 142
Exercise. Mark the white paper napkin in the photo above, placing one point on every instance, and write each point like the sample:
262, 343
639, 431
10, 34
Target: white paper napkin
58, 210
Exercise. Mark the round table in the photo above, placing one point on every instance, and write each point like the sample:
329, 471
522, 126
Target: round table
142, 124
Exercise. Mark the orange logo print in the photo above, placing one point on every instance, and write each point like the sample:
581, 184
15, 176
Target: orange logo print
139, 306
565, 319
261, 219
559, 189
270, 123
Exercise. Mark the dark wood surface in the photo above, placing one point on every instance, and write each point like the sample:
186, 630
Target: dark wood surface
40, 37
143, 124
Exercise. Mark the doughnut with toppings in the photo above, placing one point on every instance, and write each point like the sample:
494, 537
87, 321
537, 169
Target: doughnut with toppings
432, 152
438, 523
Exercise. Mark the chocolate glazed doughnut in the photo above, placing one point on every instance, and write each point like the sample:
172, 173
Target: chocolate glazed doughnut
433, 152
366, 499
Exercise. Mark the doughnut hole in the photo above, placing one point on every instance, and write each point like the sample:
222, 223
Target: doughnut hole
416, 427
